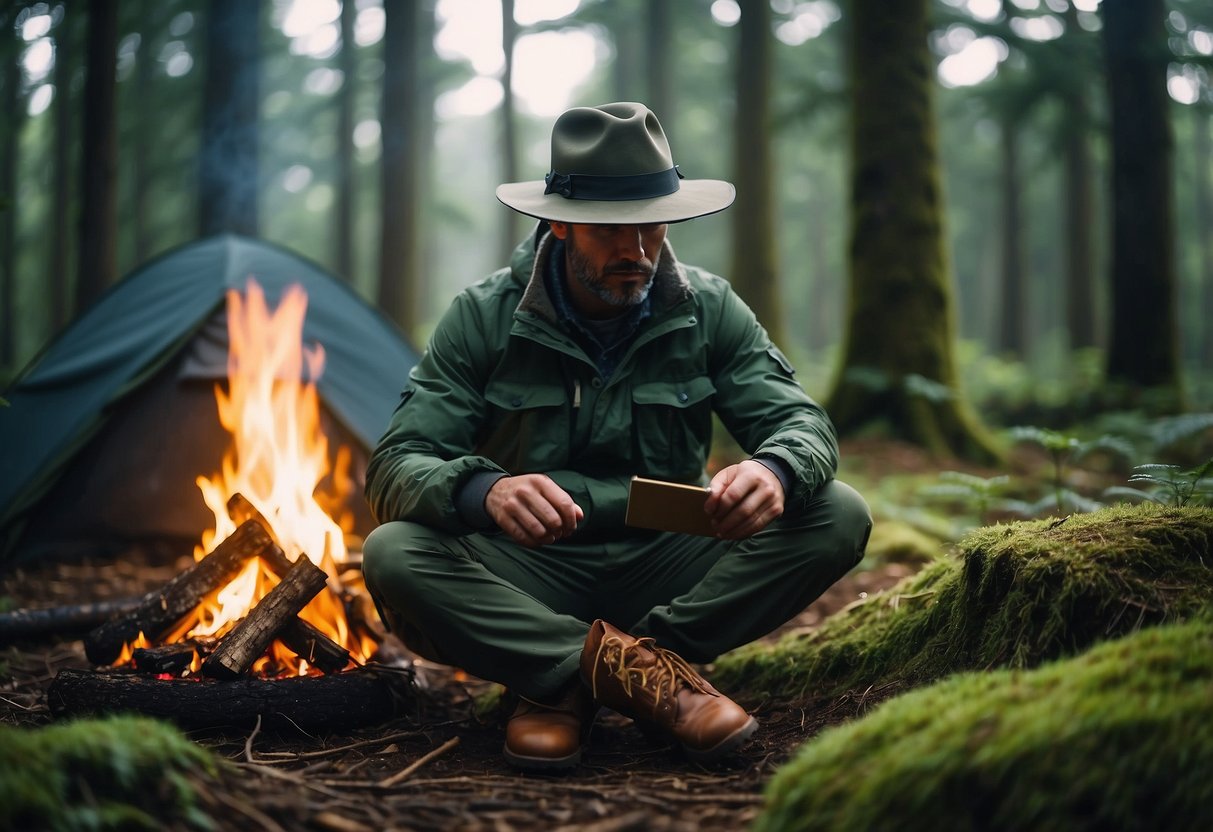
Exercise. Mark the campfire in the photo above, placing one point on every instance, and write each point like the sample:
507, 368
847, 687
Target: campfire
274, 592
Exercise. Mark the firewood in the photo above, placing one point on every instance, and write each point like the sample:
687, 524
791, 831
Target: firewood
160, 610
307, 642
249, 638
167, 658
241, 510
68, 621
355, 698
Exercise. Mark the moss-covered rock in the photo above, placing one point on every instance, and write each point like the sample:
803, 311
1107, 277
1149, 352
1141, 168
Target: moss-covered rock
1015, 596
1120, 737
116, 773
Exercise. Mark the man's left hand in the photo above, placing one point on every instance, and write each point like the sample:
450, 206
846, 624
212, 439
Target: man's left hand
745, 498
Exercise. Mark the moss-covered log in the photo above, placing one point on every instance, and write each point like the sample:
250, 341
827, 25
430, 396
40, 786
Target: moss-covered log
1118, 738
1016, 595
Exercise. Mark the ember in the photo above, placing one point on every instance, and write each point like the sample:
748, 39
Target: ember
268, 593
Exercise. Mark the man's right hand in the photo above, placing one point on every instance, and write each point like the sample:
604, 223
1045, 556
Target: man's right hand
532, 509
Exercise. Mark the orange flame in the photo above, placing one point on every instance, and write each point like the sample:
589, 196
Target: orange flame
279, 460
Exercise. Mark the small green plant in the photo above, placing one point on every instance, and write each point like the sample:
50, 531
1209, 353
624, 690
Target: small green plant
977, 494
1169, 485
1064, 450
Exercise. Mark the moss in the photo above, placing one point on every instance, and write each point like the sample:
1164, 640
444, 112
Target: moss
1118, 738
895, 542
116, 773
1016, 595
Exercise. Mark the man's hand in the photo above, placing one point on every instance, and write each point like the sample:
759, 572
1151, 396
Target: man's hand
532, 509
745, 498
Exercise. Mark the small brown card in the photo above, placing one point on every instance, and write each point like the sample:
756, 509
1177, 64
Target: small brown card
668, 507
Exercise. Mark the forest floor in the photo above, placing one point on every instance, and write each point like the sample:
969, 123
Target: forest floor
299, 781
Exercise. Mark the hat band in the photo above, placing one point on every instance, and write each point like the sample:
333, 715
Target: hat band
613, 188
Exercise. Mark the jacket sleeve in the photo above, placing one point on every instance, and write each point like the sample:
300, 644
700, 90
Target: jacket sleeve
762, 404
426, 455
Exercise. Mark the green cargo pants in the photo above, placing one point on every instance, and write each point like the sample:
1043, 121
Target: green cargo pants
519, 616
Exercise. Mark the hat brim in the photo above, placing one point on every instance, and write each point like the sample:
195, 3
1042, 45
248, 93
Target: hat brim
694, 198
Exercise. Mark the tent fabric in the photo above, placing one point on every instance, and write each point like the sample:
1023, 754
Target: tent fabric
164, 322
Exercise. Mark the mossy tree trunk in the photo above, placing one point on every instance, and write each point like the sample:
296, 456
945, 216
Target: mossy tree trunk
1143, 351
898, 365
1013, 309
754, 273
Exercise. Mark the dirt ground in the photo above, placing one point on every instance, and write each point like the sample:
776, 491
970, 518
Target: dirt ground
299, 781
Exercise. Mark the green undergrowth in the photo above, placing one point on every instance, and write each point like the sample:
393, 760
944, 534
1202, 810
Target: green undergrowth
115, 773
1013, 596
1120, 737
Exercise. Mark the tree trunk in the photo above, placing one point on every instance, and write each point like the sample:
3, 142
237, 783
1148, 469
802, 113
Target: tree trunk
510, 220
398, 274
343, 254
898, 365
1013, 308
659, 51
61, 199
10, 135
228, 169
1143, 352
755, 273
1079, 201
98, 229
142, 137
1204, 237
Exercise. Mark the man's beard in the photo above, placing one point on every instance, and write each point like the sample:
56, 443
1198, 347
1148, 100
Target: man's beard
597, 282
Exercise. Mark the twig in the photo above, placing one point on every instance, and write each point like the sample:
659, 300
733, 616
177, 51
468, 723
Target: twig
408, 770
248, 744
248, 810
290, 756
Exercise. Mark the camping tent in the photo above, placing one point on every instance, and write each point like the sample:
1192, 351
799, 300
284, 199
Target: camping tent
109, 427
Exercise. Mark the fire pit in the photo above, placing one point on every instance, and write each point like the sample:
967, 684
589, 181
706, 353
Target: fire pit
272, 620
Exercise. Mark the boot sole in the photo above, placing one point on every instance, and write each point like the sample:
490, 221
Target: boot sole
526, 763
725, 747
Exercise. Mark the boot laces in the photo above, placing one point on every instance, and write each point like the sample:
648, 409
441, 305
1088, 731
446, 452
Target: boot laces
665, 672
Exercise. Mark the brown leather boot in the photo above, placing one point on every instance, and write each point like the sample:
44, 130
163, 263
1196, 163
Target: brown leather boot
658, 689
539, 736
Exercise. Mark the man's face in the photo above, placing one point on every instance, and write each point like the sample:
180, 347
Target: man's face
610, 267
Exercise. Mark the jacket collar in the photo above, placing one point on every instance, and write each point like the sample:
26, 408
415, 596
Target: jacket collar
670, 284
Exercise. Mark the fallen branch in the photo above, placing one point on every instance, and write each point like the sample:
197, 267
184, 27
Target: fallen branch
70, 620
407, 771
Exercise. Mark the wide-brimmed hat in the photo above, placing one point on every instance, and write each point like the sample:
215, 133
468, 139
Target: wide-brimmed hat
612, 164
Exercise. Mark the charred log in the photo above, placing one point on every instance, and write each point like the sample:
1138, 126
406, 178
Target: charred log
248, 640
162, 608
343, 700
68, 621
309, 643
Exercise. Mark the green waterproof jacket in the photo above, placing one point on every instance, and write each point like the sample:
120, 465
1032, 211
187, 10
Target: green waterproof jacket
502, 387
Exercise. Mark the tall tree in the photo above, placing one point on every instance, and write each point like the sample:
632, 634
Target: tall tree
1078, 192
98, 226
659, 52
228, 168
1203, 214
60, 263
10, 144
399, 280
755, 272
510, 220
1143, 351
343, 256
1013, 306
898, 364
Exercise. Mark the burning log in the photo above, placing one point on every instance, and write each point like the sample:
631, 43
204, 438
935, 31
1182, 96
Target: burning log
307, 642
248, 640
351, 699
173, 659
161, 609
62, 621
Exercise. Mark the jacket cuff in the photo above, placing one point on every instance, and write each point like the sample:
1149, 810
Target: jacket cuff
469, 500
779, 468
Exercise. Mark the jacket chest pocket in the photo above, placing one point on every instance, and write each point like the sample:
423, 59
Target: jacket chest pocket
673, 426
528, 426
